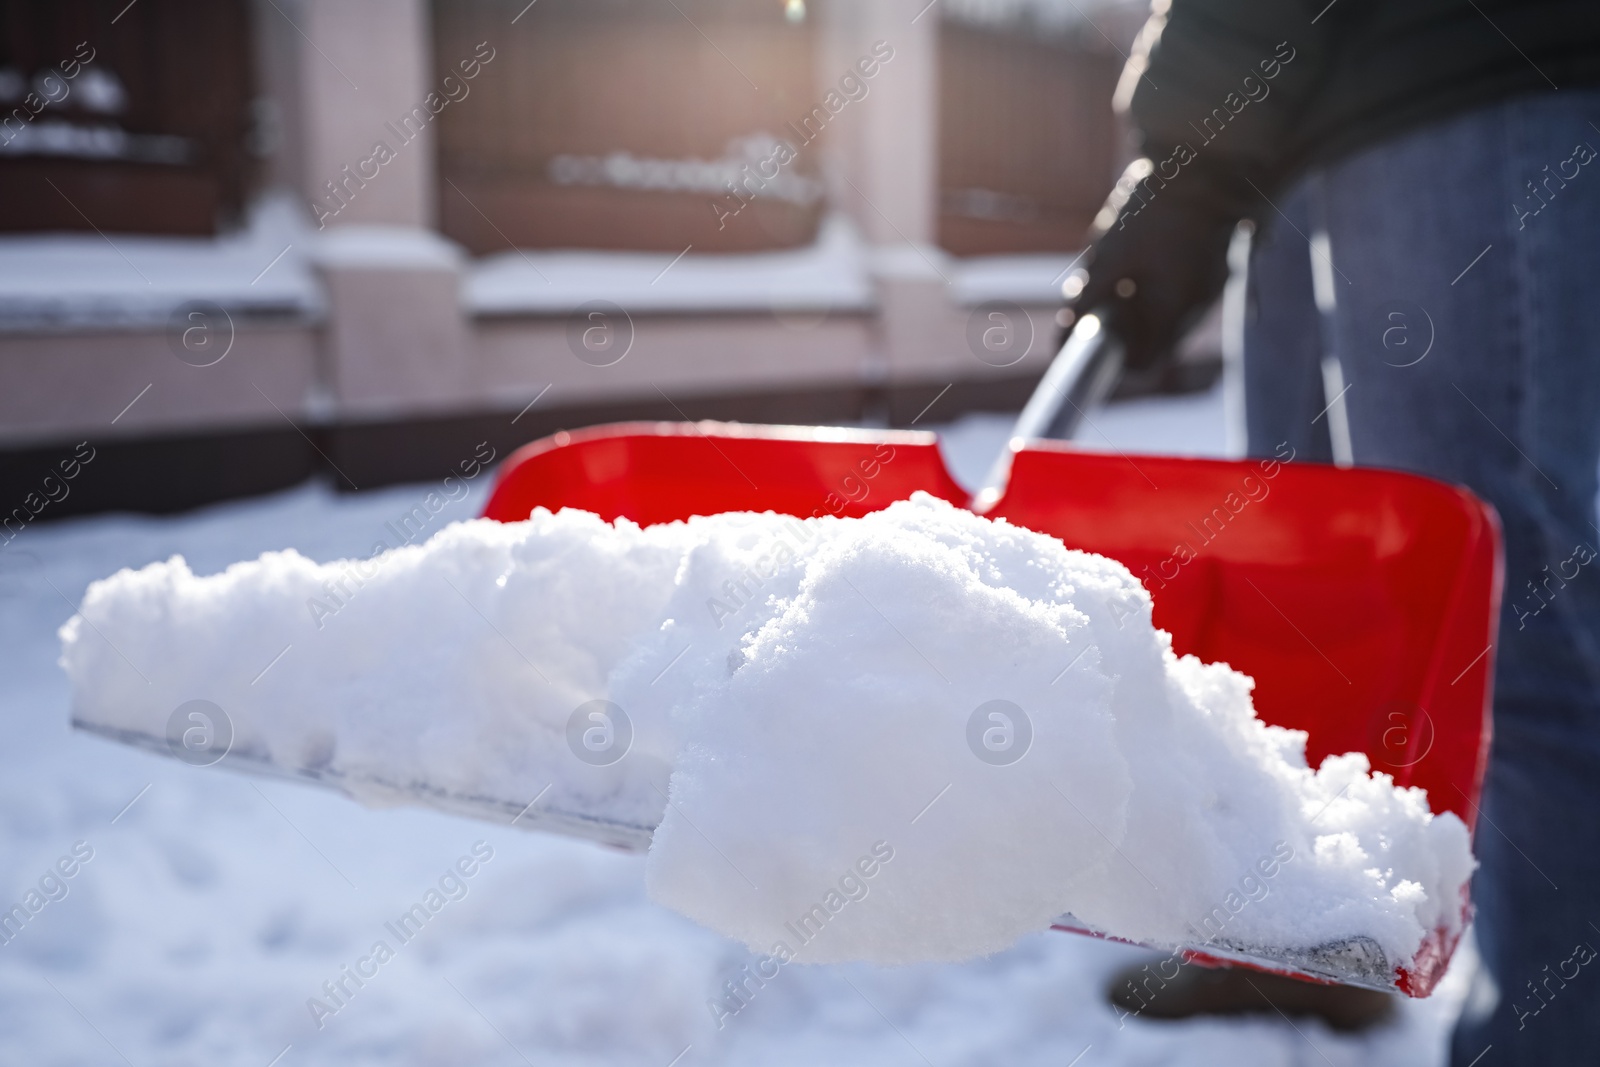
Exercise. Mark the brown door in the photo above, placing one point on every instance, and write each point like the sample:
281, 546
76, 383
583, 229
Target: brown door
617, 124
1027, 139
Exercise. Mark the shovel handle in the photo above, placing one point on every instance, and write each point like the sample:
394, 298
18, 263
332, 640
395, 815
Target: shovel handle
1080, 377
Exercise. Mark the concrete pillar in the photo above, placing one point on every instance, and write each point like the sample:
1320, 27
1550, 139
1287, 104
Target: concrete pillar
364, 65
885, 174
897, 170
396, 342
396, 339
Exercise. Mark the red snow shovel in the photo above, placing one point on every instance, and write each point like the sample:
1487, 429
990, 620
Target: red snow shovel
1363, 602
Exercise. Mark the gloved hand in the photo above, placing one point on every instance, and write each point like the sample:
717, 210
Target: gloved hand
1158, 260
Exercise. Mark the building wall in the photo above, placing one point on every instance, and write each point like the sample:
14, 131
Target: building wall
392, 340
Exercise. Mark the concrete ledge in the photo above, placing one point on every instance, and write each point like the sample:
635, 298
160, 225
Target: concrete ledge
175, 472
109, 386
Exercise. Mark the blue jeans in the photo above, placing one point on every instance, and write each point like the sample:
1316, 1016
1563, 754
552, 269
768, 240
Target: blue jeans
1466, 326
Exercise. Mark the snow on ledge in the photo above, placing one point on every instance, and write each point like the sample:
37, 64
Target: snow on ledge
1042, 16
1024, 279
385, 248
831, 274
911, 261
73, 281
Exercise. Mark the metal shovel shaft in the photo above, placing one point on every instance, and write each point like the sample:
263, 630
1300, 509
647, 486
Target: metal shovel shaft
1080, 377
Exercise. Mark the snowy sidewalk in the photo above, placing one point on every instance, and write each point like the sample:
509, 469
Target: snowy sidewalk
213, 907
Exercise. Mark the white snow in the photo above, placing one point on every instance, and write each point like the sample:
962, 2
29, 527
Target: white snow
1022, 279
1133, 789
1047, 15
371, 247
773, 668
1168, 426
835, 272
829, 274
90, 280
215, 905
78, 281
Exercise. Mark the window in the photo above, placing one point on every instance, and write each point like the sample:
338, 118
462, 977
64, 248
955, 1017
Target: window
122, 117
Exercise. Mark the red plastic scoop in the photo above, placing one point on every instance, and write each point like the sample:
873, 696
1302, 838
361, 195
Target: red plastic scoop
1363, 602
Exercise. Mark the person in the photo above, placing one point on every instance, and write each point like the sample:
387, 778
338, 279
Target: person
1422, 181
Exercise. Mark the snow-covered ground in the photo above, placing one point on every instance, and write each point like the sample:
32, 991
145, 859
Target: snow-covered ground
214, 906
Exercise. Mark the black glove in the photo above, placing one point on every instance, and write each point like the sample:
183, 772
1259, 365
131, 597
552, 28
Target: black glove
1158, 260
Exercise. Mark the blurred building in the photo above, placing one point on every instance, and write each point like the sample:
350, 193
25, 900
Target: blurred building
245, 240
